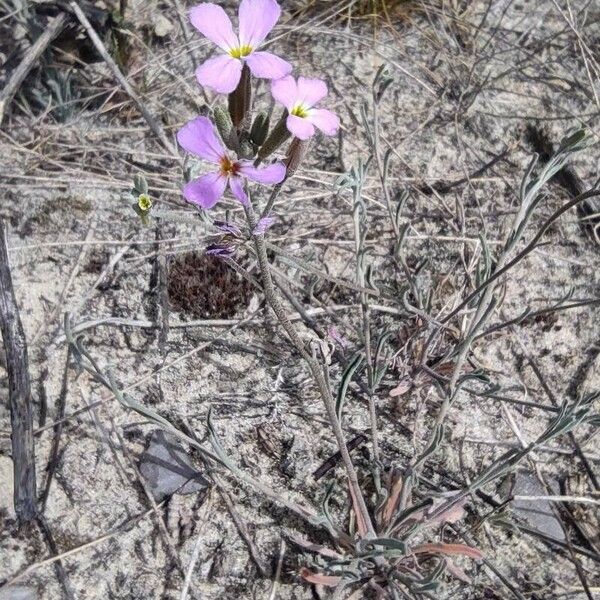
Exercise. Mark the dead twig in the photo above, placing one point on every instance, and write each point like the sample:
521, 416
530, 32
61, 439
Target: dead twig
277, 577
59, 569
17, 366
54, 452
242, 529
333, 460
31, 56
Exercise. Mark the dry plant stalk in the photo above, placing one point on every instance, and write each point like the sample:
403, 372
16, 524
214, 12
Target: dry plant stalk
21, 414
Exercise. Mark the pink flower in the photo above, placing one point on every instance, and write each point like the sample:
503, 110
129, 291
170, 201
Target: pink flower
200, 138
300, 98
256, 19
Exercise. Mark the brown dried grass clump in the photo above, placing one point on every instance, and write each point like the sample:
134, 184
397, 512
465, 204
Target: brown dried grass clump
204, 287
387, 10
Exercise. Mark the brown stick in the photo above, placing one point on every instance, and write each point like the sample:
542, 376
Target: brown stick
30, 58
17, 366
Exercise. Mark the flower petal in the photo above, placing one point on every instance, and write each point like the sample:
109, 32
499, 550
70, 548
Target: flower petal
212, 22
199, 137
219, 250
301, 128
221, 73
311, 91
262, 225
285, 91
206, 190
237, 188
325, 120
268, 66
273, 173
257, 18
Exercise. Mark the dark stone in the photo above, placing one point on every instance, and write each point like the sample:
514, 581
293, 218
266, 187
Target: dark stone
167, 468
538, 514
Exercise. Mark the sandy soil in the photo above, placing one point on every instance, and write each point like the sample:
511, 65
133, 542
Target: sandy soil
465, 86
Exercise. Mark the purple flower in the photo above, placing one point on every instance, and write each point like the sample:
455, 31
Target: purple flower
219, 250
334, 334
256, 19
262, 225
300, 98
199, 137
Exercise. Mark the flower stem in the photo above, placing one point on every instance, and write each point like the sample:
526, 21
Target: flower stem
313, 365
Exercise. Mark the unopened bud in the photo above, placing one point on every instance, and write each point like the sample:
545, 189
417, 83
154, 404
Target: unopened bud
225, 128
219, 250
246, 149
260, 129
140, 185
278, 136
240, 100
295, 155
262, 225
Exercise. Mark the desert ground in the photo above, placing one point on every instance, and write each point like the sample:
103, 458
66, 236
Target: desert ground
455, 97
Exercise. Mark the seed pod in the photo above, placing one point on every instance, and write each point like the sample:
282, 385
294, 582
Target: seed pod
260, 129
225, 128
277, 137
240, 100
295, 155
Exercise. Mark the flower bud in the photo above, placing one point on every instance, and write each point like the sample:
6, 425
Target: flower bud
278, 136
246, 149
228, 228
295, 155
219, 250
262, 225
260, 129
240, 100
225, 128
140, 185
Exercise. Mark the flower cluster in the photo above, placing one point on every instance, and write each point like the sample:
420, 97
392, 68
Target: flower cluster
235, 144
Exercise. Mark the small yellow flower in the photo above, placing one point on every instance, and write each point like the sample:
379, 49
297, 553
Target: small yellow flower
144, 202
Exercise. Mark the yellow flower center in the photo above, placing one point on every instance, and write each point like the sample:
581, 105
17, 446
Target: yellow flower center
300, 111
241, 51
228, 167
